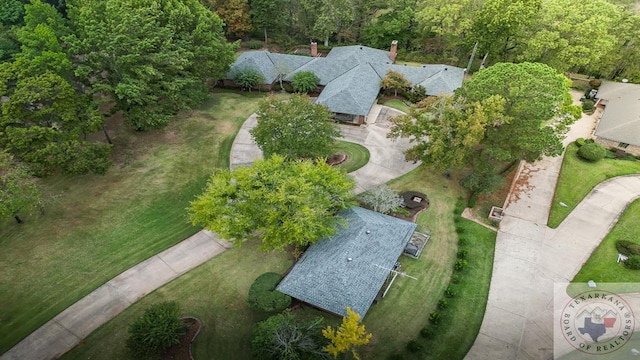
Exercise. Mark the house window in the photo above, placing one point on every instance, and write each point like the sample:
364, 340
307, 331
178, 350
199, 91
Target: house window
623, 145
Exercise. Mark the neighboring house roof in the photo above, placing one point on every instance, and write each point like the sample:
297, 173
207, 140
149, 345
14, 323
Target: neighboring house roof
621, 118
325, 277
351, 75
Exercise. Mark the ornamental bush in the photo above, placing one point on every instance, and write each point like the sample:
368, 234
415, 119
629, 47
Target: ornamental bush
157, 329
579, 141
628, 248
414, 346
633, 262
592, 152
247, 77
304, 81
263, 296
587, 105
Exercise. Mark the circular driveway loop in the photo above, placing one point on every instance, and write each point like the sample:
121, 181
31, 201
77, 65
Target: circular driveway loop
386, 162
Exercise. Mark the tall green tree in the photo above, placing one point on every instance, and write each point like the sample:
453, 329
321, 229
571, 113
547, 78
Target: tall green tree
45, 119
393, 24
504, 113
269, 15
499, 25
280, 202
149, 58
295, 128
11, 12
568, 34
19, 190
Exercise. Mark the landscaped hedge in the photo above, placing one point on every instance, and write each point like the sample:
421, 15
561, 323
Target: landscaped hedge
592, 152
628, 248
633, 262
263, 296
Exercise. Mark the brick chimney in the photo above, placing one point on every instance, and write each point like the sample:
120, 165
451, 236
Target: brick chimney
394, 51
314, 49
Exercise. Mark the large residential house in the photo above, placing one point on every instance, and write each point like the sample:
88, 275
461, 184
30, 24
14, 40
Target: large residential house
619, 126
350, 76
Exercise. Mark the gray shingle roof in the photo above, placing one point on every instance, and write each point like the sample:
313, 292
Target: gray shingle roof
351, 75
621, 118
354, 92
324, 276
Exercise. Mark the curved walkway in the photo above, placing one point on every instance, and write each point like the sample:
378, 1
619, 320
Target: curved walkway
530, 257
385, 163
68, 328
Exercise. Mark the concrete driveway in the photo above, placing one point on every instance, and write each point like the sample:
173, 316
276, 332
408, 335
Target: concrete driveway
530, 257
385, 163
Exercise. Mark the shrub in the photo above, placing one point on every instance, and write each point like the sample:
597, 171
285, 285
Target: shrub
304, 81
455, 278
595, 83
610, 154
435, 318
473, 199
462, 253
587, 105
427, 332
592, 152
442, 304
450, 292
254, 44
462, 241
247, 77
416, 93
414, 346
157, 329
460, 264
580, 141
626, 247
263, 297
460, 229
633, 262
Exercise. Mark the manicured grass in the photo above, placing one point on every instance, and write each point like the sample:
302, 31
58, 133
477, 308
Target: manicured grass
100, 226
397, 104
578, 178
216, 291
601, 266
358, 155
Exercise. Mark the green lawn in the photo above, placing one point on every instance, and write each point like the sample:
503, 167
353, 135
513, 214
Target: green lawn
577, 178
397, 104
358, 155
601, 266
100, 226
216, 291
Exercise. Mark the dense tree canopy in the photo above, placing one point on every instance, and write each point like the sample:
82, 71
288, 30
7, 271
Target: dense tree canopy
280, 202
151, 58
282, 337
504, 113
44, 118
294, 128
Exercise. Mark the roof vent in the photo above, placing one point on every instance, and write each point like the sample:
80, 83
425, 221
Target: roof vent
349, 259
360, 47
445, 69
368, 232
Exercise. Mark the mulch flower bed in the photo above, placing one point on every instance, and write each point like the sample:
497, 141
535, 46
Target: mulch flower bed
337, 158
182, 351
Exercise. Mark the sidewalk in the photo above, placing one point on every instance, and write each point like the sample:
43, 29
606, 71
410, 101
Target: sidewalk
66, 330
